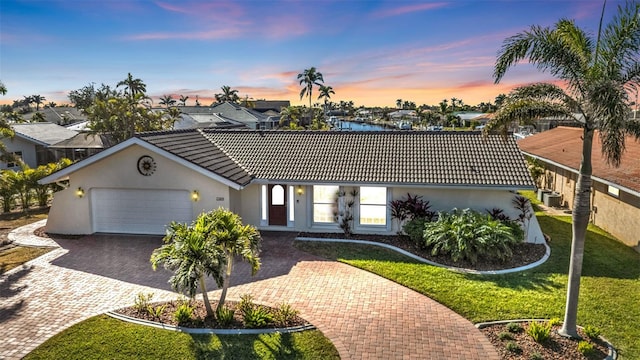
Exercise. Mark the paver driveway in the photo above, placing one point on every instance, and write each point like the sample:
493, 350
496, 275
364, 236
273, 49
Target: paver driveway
366, 316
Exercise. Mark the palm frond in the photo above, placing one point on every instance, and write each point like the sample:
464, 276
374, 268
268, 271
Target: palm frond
608, 100
620, 42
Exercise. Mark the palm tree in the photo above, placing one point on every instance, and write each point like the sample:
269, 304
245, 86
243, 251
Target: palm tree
183, 100
233, 239
167, 100
325, 92
191, 254
37, 99
132, 87
399, 103
598, 75
227, 95
308, 78
3, 88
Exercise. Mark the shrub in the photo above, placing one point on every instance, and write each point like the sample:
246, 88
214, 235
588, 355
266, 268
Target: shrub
498, 214
224, 315
183, 313
142, 302
536, 356
505, 335
592, 332
585, 348
514, 327
468, 235
246, 303
284, 314
539, 332
414, 228
410, 208
156, 311
555, 321
513, 347
257, 317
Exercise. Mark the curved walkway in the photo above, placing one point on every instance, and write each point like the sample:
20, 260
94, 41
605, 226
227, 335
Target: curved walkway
364, 315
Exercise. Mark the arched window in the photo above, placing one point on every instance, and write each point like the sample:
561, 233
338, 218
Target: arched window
277, 195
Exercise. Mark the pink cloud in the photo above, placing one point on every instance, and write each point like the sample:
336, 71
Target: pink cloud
407, 9
224, 33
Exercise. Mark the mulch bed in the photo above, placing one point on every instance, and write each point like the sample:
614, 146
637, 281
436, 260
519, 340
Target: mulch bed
523, 253
199, 317
557, 347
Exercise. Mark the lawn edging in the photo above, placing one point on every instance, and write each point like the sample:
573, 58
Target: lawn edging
423, 260
157, 325
613, 354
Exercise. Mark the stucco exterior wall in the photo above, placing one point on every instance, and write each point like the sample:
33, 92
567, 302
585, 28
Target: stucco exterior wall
28, 151
620, 219
72, 215
249, 207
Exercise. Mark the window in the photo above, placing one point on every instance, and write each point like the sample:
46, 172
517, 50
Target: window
373, 206
277, 195
264, 203
613, 191
18, 157
324, 203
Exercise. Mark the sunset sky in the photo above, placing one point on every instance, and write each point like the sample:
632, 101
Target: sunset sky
370, 52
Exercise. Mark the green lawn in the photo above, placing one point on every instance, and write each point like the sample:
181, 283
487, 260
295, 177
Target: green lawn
103, 337
609, 295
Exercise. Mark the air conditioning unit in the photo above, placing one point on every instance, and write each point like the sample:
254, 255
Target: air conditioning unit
541, 193
552, 199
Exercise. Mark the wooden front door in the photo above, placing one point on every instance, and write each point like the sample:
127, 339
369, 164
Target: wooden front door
278, 205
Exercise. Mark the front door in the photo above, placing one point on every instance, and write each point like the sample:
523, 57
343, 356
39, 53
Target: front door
277, 205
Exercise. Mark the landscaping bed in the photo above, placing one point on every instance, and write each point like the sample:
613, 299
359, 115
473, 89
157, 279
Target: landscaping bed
556, 347
523, 253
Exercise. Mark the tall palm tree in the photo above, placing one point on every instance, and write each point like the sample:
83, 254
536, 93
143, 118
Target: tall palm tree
192, 255
37, 99
132, 87
598, 75
3, 88
183, 100
308, 78
399, 103
228, 95
167, 100
325, 93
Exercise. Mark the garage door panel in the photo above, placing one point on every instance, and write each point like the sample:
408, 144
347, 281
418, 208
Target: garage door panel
137, 211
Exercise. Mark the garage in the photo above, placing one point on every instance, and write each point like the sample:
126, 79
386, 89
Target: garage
138, 211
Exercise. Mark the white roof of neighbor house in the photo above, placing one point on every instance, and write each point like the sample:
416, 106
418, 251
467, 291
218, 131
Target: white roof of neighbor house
43, 133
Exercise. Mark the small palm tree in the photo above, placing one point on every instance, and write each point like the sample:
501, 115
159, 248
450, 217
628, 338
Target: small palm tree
38, 99
167, 100
325, 93
599, 75
308, 78
3, 88
228, 95
192, 255
183, 100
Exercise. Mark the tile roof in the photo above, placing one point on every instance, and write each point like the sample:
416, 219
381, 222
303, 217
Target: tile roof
43, 132
563, 145
410, 158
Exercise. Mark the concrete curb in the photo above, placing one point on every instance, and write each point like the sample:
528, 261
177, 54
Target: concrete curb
451, 268
613, 354
157, 325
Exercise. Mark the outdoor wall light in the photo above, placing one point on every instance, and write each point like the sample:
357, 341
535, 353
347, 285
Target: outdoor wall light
195, 195
80, 192
299, 190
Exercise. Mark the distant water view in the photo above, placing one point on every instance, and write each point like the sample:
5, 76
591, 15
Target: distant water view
355, 126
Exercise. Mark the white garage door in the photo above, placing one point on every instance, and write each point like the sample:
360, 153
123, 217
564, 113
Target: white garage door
135, 211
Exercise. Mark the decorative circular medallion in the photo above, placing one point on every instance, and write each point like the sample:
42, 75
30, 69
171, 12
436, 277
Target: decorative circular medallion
146, 165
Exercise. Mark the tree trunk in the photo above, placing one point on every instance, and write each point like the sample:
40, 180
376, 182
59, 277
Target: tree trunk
580, 217
225, 284
205, 297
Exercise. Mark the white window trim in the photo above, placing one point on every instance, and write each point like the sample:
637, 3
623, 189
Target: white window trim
368, 227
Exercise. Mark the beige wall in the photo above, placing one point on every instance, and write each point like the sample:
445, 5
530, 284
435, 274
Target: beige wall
616, 217
72, 215
28, 151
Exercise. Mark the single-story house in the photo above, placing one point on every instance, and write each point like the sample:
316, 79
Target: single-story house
615, 195
63, 115
225, 113
285, 180
31, 143
82, 145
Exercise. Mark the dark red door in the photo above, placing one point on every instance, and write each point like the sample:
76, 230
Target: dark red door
278, 205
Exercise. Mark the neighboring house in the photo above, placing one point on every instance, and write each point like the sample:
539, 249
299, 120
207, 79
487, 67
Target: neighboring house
81, 146
31, 143
225, 115
467, 117
275, 106
60, 115
615, 196
285, 180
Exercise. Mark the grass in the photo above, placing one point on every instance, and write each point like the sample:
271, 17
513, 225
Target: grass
609, 293
18, 255
103, 337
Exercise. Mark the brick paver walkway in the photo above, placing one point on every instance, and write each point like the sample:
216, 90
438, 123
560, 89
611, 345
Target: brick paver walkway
364, 315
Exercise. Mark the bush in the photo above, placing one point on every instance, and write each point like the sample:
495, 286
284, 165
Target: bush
555, 321
469, 235
414, 228
246, 303
183, 313
585, 348
156, 311
539, 332
284, 314
513, 347
257, 317
592, 332
514, 327
505, 335
142, 302
410, 208
224, 316
536, 356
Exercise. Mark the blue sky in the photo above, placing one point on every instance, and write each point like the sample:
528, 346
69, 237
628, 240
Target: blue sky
370, 52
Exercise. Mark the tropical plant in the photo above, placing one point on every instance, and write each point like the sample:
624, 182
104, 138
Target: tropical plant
191, 254
586, 348
132, 87
37, 99
167, 101
325, 93
3, 88
7, 191
183, 100
409, 208
308, 78
285, 314
468, 235
598, 74
539, 332
227, 95
224, 315
183, 312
